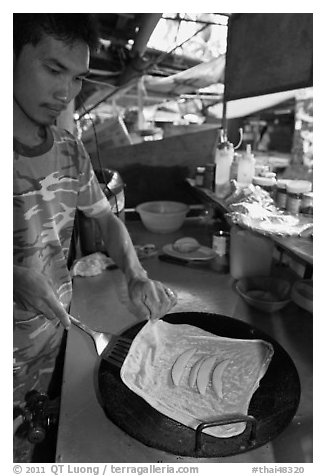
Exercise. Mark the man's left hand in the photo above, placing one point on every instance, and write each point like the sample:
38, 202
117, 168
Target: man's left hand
152, 298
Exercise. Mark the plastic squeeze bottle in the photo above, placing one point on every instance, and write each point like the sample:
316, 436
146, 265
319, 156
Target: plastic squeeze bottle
246, 168
223, 159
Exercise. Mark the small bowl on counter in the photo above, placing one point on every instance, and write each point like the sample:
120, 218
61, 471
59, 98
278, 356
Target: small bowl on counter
265, 293
162, 216
302, 294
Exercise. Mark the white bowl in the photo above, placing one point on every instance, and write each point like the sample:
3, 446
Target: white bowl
162, 216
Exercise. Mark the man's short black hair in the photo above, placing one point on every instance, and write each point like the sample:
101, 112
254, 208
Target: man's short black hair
67, 27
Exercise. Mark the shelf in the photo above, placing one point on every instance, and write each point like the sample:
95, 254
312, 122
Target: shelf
301, 248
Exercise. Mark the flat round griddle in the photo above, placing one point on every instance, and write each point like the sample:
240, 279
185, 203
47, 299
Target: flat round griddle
273, 405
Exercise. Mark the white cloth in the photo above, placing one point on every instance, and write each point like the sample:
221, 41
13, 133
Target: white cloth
91, 265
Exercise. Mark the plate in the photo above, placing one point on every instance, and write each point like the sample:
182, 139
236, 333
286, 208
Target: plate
203, 253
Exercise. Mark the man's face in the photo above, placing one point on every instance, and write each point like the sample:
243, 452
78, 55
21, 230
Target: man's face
47, 77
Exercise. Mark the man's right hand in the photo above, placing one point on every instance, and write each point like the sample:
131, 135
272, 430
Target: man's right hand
33, 292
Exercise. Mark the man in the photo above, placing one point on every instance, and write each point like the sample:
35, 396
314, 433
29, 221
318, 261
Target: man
52, 178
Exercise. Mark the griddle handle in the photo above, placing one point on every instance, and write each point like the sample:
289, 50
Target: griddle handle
227, 420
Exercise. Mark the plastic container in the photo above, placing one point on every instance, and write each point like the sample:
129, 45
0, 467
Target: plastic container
246, 167
250, 254
295, 191
281, 193
223, 160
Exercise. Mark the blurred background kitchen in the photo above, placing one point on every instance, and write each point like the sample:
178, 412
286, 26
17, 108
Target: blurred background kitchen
170, 78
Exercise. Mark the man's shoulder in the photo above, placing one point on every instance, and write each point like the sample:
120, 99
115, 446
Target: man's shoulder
63, 139
60, 134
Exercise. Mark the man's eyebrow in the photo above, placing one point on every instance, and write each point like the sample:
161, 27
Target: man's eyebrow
60, 65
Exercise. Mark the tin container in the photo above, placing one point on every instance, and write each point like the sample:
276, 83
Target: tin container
281, 193
221, 246
199, 177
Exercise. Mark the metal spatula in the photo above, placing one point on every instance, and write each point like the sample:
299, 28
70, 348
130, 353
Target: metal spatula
115, 346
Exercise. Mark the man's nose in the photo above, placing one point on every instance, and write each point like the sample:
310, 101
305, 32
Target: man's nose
63, 92
62, 96
67, 92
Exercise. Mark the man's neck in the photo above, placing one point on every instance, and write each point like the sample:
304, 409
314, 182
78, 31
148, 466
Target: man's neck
26, 131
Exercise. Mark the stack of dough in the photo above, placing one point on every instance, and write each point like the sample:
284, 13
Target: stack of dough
186, 245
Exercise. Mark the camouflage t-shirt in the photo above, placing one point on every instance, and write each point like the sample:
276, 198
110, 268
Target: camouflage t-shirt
50, 182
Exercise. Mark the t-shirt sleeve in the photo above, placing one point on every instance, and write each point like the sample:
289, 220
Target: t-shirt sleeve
91, 199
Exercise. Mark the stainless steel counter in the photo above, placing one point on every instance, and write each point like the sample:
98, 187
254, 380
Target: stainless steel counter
86, 435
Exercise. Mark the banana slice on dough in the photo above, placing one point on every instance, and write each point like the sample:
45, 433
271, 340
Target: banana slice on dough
180, 365
204, 373
194, 372
217, 377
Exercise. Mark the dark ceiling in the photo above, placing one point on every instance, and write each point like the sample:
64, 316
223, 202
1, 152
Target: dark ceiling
125, 53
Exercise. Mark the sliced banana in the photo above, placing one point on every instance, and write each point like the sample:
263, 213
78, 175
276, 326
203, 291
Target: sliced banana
186, 245
180, 365
194, 372
204, 373
217, 377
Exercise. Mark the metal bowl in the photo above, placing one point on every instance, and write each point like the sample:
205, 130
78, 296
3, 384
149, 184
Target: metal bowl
265, 293
162, 216
302, 294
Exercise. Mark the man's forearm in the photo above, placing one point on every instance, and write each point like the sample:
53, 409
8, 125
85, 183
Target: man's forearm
120, 247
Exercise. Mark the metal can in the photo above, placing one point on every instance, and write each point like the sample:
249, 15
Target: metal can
199, 178
221, 246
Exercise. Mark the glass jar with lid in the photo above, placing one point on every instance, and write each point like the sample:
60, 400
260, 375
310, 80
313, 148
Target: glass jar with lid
281, 193
267, 183
295, 191
307, 204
